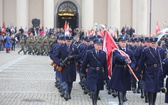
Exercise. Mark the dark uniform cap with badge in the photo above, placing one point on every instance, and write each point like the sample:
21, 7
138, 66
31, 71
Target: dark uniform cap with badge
153, 40
98, 41
137, 40
68, 38
147, 39
61, 37
142, 40
87, 39
92, 38
122, 38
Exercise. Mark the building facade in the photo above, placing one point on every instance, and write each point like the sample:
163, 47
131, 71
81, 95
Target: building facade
85, 13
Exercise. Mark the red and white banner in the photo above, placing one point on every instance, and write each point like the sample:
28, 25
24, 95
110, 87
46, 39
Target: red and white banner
157, 28
109, 46
66, 29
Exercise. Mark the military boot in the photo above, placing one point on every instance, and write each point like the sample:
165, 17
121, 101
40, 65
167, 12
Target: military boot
142, 93
125, 98
120, 97
94, 98
69, 93
66, 95
151, 98
146, 97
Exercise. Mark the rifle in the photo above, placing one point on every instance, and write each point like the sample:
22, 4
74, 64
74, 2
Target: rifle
69, 57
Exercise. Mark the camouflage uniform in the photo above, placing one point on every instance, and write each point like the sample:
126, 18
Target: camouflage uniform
30, 43
22, 43
45, 44
39, 46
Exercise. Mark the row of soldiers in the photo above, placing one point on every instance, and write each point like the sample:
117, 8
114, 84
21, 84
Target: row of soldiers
36, 45
85, 56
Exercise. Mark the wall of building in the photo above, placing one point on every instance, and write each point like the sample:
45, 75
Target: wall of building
100, 11
114, 13
36, 11
159, 14
9, 12
87, 14
126, 13
1, 12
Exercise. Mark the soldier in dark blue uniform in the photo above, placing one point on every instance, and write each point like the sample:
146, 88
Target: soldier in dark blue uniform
137, 49
153, 74
97, 70
66, 58
165, 70
121, 78
53, 51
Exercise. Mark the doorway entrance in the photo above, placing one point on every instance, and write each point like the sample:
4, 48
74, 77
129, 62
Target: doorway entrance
67, 12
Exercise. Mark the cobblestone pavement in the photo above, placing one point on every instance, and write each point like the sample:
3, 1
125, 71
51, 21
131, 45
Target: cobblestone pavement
29, 80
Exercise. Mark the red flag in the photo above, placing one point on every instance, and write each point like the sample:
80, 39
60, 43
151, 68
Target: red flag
108, 46
157, 28
3, 25
65, 25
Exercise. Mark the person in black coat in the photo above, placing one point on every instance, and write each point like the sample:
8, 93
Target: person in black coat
165, 70
95, 61
66, 58
150, 62
121, 77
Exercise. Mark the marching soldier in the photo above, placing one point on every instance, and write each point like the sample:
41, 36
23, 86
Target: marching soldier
137, 49
45, 44
30, 43
121, 79
65, 58
23, 44
97, 70
39, 46
165, 70
150, 62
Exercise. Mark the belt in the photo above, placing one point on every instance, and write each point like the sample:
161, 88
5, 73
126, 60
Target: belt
124, 66
154, 65
96, 68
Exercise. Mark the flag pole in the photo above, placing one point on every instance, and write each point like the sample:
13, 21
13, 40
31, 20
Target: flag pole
130, 69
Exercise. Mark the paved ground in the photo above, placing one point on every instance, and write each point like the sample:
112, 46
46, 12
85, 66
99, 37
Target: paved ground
29, 80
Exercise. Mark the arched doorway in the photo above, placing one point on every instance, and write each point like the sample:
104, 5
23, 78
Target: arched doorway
67, 12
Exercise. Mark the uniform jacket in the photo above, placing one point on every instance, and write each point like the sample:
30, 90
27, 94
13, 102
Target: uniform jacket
150, 62
121, 77
95, 78
68, 74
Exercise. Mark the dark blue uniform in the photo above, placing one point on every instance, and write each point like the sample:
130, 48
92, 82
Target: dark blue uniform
97, 71
121, 79
150, 63
165, 70
68, 73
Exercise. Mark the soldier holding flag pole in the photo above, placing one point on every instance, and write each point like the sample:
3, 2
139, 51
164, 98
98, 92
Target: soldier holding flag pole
121, 79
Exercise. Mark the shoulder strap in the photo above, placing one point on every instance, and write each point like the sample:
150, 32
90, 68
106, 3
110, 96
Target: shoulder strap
95, 58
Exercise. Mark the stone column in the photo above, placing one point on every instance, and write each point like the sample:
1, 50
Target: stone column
142, 17
49, 13
114, 13
87, 14
22, 13
1, 12
135, 15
